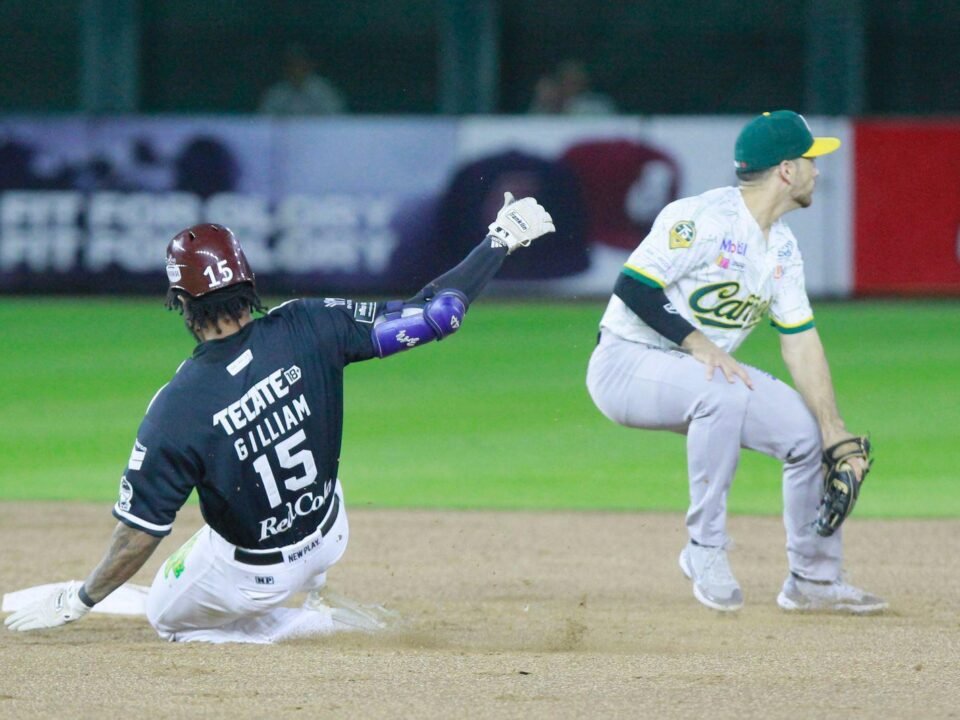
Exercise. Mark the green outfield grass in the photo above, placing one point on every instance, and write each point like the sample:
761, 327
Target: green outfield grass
496, 417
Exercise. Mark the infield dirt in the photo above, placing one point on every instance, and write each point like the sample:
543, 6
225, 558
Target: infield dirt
510, 614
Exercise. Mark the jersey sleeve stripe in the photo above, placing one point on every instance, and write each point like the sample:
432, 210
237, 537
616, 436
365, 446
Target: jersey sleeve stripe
282, 305
794, 327
643, 276
136, 522
157, 393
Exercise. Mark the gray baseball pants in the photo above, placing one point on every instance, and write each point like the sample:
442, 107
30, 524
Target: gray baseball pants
640, 386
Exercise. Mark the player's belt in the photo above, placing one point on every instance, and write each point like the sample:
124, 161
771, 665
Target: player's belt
272, 558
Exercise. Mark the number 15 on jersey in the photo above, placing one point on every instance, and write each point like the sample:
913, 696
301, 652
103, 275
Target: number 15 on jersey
301, 461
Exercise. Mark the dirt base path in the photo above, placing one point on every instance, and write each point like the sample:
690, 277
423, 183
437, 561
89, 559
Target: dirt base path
553, 615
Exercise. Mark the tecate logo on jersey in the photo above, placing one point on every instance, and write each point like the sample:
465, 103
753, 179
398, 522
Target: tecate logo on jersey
717, 305
306, 504
257, 399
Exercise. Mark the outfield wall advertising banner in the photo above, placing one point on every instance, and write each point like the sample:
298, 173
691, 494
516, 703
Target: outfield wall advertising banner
368, 205
908, 208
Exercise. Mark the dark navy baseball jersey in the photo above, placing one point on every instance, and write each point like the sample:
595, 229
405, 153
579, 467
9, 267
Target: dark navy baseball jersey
254, 422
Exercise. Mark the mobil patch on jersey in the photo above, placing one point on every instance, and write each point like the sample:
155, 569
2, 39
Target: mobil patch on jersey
682, 234
734, 247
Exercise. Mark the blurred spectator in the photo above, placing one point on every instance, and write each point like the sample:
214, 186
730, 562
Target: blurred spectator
578, 97
302, 91
547, 99
568, 92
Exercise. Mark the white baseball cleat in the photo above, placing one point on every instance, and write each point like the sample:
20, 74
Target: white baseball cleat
348, 614
799, 594
713, 582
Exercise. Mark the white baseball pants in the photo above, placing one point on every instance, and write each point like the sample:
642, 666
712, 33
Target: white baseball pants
640, 386
202, 593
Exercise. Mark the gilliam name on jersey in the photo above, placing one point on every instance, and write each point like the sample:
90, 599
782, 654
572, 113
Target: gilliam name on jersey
255, 416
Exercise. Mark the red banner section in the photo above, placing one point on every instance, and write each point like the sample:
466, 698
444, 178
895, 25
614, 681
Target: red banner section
907, 208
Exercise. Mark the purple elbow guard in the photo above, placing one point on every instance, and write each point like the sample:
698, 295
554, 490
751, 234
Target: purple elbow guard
401, 328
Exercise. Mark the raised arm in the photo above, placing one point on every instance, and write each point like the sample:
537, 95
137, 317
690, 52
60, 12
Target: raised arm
439, 308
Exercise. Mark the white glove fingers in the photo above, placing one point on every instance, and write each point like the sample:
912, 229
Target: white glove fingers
20, 621
60, 607
508, 199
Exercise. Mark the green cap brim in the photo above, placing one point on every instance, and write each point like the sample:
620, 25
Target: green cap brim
822, 146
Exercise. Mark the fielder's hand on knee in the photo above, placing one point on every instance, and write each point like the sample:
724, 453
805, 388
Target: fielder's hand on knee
520, 222
715, 358
60, 607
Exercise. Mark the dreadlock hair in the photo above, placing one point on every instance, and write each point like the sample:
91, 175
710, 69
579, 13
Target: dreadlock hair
207, 310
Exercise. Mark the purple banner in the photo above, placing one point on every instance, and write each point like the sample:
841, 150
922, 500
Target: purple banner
343, 206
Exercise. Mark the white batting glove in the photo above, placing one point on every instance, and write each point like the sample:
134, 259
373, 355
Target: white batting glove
61, 606
520, 222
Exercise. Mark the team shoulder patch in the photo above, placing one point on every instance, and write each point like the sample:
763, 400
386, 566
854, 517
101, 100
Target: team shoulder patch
682, 234
126, 494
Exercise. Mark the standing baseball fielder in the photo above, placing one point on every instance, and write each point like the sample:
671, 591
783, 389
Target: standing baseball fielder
709, 271
253, 422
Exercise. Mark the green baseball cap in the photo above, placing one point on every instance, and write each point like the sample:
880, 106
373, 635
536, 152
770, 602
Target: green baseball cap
773, 137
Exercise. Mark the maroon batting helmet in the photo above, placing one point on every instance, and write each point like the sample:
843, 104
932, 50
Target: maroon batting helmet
204, 258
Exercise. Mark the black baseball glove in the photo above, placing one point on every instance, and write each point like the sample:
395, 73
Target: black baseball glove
840, 485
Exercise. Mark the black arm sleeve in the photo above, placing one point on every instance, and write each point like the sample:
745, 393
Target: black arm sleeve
651, 305
469, 277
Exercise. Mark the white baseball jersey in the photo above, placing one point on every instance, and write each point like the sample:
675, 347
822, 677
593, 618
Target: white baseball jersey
718, 271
